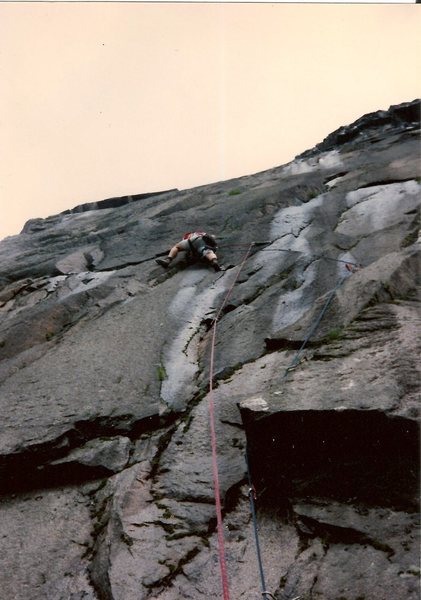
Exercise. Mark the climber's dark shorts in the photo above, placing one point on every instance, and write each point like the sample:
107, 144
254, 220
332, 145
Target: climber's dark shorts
196, 245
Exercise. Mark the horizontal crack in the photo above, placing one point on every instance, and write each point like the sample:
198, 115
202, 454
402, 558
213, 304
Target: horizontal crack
334, 534
388, 181
32, 468
175, 570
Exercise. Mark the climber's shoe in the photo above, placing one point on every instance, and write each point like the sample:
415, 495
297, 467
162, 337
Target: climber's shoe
164, 262
352, 267
215, 265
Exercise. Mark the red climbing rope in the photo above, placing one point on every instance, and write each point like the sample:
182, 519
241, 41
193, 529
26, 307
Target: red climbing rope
222, 562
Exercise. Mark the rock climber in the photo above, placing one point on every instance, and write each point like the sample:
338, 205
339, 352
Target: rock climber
197, 243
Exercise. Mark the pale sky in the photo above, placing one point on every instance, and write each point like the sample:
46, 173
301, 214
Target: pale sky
109, 99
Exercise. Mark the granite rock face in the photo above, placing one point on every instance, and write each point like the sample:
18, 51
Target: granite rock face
105, 454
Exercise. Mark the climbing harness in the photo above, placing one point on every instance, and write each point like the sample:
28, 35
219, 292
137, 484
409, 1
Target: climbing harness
200, 243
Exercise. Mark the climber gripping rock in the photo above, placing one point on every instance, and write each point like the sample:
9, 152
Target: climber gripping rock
198, 244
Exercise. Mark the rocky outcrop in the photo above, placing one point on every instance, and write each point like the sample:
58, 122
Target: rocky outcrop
371, 127
105, 460
33, 225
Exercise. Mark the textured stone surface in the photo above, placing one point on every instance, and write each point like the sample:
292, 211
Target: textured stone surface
45, 535
105, 456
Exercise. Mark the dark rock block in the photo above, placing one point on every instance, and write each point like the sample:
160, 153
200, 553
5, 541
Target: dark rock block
364, 455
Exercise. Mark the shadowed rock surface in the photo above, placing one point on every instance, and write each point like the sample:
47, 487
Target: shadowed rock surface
105, 456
